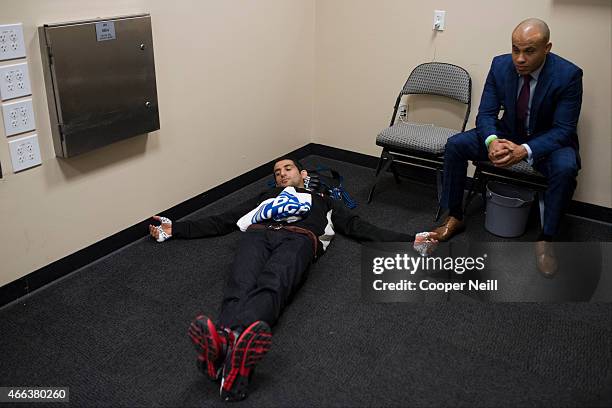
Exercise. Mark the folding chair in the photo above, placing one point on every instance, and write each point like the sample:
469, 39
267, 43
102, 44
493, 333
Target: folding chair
420, 144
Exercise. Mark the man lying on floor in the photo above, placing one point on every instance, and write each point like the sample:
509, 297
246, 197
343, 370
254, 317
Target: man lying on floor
285, 229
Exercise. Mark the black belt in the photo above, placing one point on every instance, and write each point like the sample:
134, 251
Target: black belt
298, 230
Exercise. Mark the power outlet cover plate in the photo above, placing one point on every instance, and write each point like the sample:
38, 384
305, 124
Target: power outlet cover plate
439, 21
18, 117
14, 81
25, 152
12, 44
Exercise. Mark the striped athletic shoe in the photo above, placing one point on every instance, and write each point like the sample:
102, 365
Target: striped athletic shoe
241, 359
210, 344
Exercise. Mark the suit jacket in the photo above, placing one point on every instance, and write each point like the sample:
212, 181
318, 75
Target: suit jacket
555, 106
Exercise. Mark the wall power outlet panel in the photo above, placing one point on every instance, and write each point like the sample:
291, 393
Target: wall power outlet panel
25, 152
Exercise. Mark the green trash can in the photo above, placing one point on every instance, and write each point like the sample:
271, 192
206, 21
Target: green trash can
507, 209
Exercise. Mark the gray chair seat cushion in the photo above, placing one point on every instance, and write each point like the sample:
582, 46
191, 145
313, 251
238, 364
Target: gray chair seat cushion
415, 136
521, 167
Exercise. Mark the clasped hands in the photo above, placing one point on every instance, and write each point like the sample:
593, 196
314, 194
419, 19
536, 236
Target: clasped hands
504, 153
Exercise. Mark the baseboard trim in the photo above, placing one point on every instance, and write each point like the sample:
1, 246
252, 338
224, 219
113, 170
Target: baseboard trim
577, 208
419, 174
55, 270
70, 263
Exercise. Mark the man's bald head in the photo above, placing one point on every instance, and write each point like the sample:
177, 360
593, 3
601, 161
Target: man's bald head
533, 27
530, 45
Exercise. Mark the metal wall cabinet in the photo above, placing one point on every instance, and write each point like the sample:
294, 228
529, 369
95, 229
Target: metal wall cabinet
100, 81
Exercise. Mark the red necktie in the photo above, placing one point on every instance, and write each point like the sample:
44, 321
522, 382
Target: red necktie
522, 106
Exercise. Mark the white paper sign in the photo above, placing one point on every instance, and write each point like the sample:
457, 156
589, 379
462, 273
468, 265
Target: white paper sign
105, 31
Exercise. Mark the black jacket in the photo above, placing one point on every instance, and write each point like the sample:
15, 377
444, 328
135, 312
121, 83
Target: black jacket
343, 221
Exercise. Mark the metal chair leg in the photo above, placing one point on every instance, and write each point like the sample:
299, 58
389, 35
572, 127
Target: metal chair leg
439, 192
541, 202
471, 192
438, 213
394, 171
380, 171
380, 162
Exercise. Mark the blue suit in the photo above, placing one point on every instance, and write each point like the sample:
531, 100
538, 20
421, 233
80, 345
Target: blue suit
551, 135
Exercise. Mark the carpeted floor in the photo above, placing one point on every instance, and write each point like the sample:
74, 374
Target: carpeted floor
115, 331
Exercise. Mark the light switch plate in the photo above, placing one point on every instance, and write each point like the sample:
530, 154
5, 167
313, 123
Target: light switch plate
14, 81
12, 44
25, 152
18, 117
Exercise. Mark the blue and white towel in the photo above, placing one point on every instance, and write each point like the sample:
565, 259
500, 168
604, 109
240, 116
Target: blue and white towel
289, 206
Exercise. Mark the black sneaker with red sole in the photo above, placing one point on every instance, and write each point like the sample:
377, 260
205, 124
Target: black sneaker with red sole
243, 355
210, 346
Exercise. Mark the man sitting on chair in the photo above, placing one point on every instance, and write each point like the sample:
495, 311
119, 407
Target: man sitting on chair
542, 95
284, 230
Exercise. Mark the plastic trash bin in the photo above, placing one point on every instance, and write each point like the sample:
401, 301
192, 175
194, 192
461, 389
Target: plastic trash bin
507, 209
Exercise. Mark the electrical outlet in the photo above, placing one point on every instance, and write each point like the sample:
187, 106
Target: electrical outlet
25, 153
439, 21
18, 117
402, 112
12, 44
14, 81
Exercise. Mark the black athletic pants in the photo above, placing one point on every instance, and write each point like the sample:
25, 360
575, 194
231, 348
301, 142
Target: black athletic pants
268, 267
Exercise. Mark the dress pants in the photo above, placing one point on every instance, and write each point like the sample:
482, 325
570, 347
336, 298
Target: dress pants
560, 168
269, 266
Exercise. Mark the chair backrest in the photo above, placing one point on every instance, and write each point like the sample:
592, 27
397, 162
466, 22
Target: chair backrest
439, 78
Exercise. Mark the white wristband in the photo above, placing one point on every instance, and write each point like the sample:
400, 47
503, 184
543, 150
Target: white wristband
424, 248
162, 236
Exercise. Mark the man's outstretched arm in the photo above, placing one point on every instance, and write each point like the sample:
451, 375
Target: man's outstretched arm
214, 225
353, 226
